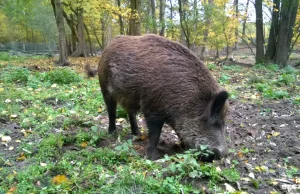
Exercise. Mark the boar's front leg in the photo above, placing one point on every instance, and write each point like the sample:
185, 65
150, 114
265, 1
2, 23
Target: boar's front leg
154, 124
134, 127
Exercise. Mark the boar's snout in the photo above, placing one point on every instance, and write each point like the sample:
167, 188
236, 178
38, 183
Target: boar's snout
217, 154
220, 152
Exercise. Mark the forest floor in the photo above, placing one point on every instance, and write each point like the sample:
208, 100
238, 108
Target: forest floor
53, 135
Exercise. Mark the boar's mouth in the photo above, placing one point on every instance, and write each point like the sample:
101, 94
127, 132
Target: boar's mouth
213, 152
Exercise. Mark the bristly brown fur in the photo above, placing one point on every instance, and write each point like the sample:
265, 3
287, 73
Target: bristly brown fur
91, 72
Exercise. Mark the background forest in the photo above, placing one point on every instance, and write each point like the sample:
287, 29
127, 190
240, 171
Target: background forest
269, 29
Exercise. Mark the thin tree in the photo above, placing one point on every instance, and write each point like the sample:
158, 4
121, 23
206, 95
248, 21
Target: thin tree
59, 17
162, 5
259, 57
134, 22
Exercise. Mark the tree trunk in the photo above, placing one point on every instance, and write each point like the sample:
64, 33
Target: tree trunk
207, 26
271, 47
171, 14
58, 11
286, 24
154, 27
259, 57
245, 19
183, 23
162, 6
122, 32
89, 39
81, 50
134, 22
236, 5
71, 24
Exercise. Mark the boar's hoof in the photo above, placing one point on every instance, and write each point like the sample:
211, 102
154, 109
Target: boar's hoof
152, 154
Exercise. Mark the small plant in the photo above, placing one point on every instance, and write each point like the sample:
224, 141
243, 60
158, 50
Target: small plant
289, 70
15, 74
62, 76
279, 94
121, 113
126, 149
224, 78
285, 79
232, 67
273, 67
211, 66
255, 79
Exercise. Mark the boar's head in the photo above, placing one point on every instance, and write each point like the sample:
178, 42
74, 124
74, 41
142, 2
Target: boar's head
207, 128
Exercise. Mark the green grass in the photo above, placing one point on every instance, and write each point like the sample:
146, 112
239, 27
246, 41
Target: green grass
61, 115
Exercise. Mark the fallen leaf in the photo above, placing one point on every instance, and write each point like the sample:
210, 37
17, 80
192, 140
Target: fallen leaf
83, 144
251, 175
43, 164
12, 190
21, 158
275, 134
1, 89
59, 179
229, 188
7, 101
11, 148
13, 116
6, 138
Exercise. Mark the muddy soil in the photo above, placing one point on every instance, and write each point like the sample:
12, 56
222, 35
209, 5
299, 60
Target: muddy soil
270, 131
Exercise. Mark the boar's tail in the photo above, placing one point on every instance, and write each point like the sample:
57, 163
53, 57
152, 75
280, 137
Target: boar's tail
91, 72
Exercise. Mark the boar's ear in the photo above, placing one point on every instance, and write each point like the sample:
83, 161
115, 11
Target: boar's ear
218, 103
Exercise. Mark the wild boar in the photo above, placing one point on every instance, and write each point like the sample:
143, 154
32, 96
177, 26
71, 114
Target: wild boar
168, 84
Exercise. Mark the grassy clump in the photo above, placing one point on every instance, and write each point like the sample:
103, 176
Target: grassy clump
12, 74
62, 76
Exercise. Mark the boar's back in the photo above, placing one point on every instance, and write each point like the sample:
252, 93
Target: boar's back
154, 74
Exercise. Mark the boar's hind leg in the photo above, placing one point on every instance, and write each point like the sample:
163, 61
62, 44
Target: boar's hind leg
154, 126
111, 105
134, 127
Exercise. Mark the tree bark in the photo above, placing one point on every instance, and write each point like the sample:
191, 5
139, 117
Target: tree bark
245, 19
207, 19
122, 31
171, 14
271, 47
162, 6
81, 49
183, 23
71, 24
134, 21
259, 58
89, 39
58, 12
154, 27
284, 35
236, 5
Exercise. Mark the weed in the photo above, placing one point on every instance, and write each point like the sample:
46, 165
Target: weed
285, 79
253, 79
15, 75
62, 76
224, 78
272, 67
121, 113
50, 147
232, 67
211, 66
